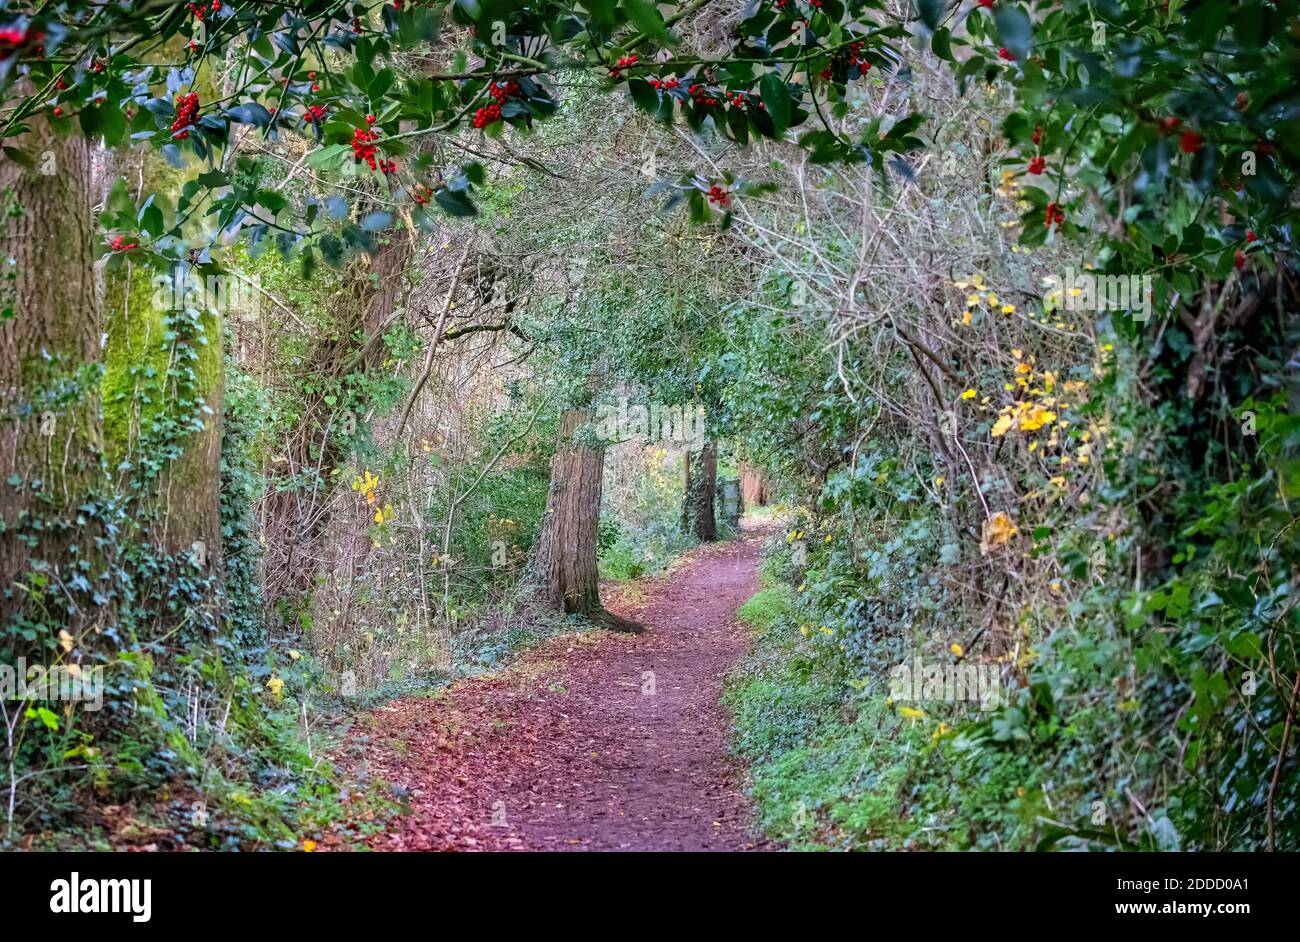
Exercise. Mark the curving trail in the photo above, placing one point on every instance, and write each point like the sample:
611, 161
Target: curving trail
564, 751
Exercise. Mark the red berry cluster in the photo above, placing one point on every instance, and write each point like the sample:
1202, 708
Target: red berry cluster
422, 194
363, 146
664, 83
626, 62
701, 95
986, 4
488, 114
503, 92
187, 109
196, 10
855, 56
119, 244
1038, 135
1005, 53
718, 195
1055, 215
1037, 165
744, 99
1242, 101
1190, 142
316, 113
1167, 125
1250, 236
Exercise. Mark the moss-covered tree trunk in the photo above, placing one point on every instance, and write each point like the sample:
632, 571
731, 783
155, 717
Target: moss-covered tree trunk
163, 390
563, 567
698, 508
49, 394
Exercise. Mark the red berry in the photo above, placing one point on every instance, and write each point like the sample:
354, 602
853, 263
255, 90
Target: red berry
58, 112
1036, 165
1239, 258
1250, 236
1005, 53
1242, 101
1190, 142
370, 119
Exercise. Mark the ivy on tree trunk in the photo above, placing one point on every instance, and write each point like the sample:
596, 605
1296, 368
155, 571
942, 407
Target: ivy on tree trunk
49, 375
563, 567
698, 517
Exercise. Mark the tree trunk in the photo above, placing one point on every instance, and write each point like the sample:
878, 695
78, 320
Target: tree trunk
753, 486
563, 567
698, 517
49, 379
163, 390
295, 527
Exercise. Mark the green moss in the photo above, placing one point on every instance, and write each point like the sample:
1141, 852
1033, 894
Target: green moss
766, 606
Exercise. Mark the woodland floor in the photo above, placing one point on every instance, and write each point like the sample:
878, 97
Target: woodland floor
564, 750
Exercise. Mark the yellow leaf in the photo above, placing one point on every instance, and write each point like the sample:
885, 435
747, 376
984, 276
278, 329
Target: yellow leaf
912, 713
969, 394
1001, 426
309, 846
998, 529
956, 649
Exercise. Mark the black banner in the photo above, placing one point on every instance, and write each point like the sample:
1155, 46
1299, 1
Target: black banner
332, 892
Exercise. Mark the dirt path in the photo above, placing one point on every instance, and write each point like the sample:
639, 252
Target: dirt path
596, 741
